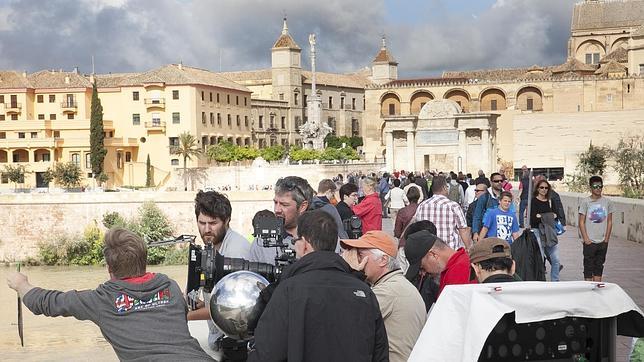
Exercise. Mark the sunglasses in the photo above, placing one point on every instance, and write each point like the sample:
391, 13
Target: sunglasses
597, 187
497, 181
477, 190
290, 186
543, 187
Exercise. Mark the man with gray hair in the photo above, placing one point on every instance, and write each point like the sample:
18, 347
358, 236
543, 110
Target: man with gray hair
401, 305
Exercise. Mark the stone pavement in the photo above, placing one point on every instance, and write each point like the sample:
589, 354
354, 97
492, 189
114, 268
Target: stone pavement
624, 266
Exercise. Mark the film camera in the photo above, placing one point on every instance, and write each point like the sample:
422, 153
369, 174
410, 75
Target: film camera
353, 227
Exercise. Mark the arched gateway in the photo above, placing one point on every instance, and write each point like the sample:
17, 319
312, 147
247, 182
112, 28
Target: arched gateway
441, 138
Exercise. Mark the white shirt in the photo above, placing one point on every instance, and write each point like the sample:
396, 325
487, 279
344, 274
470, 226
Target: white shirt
398, 198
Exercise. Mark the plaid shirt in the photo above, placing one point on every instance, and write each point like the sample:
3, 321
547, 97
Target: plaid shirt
446, 215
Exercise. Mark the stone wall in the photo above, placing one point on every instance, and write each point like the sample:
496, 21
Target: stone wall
30, 218
628, 216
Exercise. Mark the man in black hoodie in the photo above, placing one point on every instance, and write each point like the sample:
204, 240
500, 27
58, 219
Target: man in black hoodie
320, 311
141, 314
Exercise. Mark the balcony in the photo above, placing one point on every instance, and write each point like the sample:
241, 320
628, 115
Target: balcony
155, 126
69, 106
155, 103
27, 143
13, 107
122, 142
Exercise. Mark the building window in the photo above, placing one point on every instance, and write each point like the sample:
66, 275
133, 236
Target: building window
21, 135
39, 98
204, 142
156, 119
75, 158
529, 104
237, 100
341, 102
296, 98
52, 98
203, 117
211, 96
283, 122
173, 141
228, 98
135, 96
353, 103
2, 117
202, 95
14, 117
218, 119
331, 123
176, 118
1, 98
298, 123
246, 121
281, 96
392, 109
230, 118
245, 101
41, 116
330, 102
52, 116
88, 161
260, 122
56, 134
305, 99
355, 127
34, 134
45, 157
217, 97
70, 116
272, 121
238, 121
174, 162
609, 98
493, 105
175, 94
128, 156
212, 119
136, 119
3, 135
641, 69
592, 58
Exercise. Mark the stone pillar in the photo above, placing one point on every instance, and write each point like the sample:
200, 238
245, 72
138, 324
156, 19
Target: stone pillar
485, 145
462, 150
389, 153
411, 151
9, 155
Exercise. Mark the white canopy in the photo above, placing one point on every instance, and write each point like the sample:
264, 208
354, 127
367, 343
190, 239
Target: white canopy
461, 320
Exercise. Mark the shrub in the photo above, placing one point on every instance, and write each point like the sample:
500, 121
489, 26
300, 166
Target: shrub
176, 256
48, 253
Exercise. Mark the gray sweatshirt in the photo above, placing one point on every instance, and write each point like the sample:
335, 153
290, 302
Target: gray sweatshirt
143, 322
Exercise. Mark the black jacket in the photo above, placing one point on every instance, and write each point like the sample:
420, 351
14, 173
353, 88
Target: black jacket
321, 312
526, 253
557, 206
344, 210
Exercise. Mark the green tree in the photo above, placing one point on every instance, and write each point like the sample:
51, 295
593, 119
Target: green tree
304, 154
273, 153
48, 177
188, 148
629, 164
245, 153
15, 174
97, 136
356, 141
221, 152
591, 162
67, 174
149, 180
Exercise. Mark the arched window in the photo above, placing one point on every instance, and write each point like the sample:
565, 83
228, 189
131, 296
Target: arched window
461, 97
418, 100
492, 100
530, 99
390, 105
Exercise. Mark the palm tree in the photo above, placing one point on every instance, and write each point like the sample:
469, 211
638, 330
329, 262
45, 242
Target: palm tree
188, 148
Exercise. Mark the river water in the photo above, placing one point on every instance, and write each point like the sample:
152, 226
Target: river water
59, 339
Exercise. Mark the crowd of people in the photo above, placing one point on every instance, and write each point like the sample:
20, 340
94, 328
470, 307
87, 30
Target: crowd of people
352, 295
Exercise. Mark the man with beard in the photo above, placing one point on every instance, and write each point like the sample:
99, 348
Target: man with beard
293, 196
213, 212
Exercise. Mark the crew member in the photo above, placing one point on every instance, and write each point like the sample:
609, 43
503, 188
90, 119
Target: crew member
492, 261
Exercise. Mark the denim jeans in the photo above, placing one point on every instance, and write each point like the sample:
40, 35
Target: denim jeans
552, 254
523, 205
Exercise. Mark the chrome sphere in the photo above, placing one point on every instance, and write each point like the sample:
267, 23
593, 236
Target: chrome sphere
233, 300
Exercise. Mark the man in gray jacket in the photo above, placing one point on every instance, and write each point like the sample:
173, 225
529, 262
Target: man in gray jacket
141, 314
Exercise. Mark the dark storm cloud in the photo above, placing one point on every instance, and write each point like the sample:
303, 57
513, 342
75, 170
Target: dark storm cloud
143, 34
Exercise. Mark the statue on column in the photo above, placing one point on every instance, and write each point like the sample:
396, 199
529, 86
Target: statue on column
314, 132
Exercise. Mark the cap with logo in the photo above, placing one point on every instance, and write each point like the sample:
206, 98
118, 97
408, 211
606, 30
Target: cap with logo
416, 247
490, 248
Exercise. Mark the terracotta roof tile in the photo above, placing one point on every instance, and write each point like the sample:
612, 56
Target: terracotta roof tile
249, 75
610, 68
603, 14
12, 79
286, 41
384, 56
354, 80
575, 66
53, 79
619, 55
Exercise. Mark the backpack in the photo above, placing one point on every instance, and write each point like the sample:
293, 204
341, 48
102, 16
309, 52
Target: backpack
454, 193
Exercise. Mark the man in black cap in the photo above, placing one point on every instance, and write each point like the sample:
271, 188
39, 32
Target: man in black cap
427, 253
492, 261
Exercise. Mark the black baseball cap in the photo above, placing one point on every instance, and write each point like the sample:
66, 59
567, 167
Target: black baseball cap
416, 247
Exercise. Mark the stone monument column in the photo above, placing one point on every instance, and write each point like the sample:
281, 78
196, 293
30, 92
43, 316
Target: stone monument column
462, 150
485, 145
411, 148
389, 153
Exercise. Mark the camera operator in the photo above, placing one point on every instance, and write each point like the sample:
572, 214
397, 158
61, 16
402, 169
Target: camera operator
213, 212
320, 311
293, 196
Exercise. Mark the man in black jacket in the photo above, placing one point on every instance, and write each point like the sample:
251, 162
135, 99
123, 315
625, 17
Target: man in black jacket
320, 311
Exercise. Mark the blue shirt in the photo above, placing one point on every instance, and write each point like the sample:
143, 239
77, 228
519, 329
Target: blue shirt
501, 224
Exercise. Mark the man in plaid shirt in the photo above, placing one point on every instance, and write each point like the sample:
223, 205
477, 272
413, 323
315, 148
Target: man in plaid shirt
446, 215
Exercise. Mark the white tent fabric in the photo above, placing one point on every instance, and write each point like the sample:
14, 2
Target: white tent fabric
461, 320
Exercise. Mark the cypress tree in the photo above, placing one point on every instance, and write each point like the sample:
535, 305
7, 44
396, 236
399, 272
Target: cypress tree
96, 137
148, 173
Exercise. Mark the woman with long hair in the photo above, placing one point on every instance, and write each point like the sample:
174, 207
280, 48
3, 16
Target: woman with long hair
542, 219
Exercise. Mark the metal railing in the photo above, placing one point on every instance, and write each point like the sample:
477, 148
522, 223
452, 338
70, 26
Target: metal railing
154, 101
69, 104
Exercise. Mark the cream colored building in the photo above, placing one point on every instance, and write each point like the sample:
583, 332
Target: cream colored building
44, 119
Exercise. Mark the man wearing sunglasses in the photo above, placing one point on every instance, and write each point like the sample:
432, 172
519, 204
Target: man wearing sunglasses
595, 225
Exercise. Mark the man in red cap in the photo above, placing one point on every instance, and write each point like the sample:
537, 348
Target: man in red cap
401, 305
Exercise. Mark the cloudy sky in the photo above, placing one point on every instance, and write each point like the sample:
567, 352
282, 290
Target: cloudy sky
425, 36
